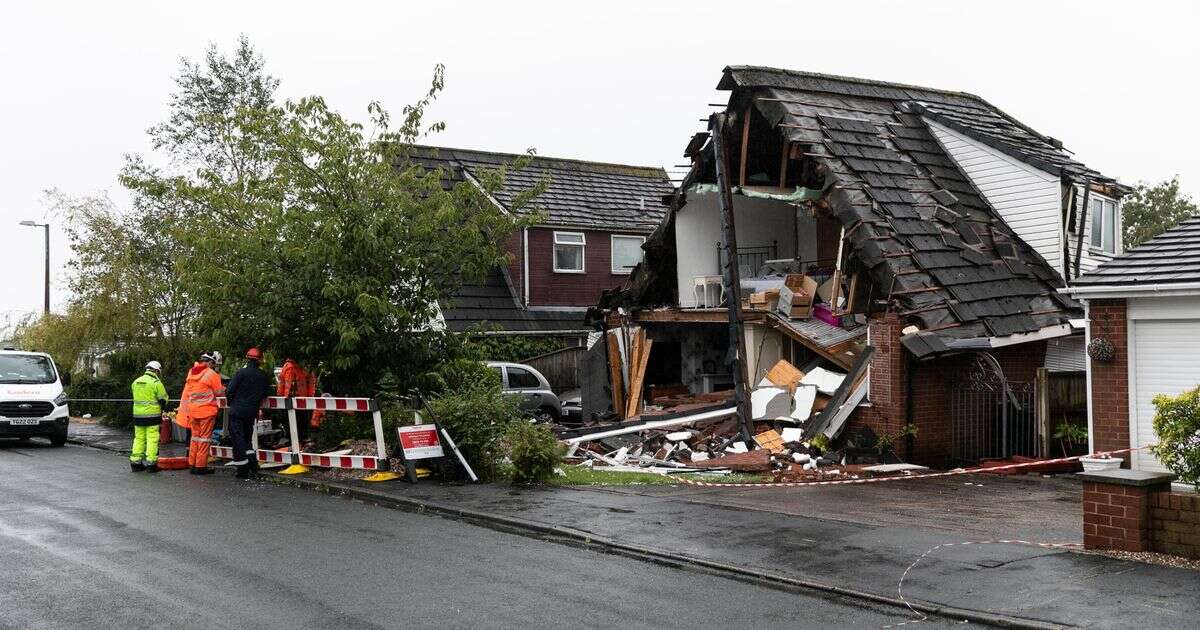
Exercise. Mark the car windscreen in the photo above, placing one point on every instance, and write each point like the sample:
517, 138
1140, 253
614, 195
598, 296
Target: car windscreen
26, 369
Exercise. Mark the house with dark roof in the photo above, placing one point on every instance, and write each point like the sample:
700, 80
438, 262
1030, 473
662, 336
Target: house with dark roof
935, 229
1143, 332
592, 221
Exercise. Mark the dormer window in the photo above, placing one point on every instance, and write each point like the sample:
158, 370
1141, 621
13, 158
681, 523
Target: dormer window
1103, 221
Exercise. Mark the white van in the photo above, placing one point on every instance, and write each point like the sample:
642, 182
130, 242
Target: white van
32, 400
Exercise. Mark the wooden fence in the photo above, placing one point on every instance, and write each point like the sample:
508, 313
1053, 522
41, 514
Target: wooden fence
560, 367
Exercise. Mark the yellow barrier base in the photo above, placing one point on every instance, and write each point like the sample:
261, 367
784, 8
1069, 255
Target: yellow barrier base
382, 476
294, 469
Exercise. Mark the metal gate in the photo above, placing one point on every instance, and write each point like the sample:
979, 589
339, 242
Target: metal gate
992, 417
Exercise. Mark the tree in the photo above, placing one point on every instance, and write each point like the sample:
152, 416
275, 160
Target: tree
301, 233
1152, 209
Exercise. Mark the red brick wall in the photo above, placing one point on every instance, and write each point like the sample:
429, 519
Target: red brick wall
932, 386
1175, 523
516, 263
885, 416
548, 288
1110, 381
1116, 516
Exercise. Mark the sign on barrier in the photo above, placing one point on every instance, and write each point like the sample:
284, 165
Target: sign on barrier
420, 441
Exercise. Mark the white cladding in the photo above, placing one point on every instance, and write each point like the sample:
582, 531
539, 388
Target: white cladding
1028, 199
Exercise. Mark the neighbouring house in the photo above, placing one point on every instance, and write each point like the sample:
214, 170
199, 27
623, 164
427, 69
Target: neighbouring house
1143, 314
908, 241
592, 221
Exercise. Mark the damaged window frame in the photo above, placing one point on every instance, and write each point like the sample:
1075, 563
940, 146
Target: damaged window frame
564, 244
612, 249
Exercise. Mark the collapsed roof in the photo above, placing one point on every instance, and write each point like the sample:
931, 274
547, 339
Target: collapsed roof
935, 249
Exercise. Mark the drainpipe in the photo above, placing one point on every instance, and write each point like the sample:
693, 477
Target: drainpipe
525, 263
731, 280
910, 374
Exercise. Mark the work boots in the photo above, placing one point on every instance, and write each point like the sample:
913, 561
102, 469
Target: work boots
201, 471
152, 467
136, 466
243, 471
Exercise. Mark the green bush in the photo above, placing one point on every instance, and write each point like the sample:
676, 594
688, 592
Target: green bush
117, 414
514, 348
534, 451
1177, 423
477, 417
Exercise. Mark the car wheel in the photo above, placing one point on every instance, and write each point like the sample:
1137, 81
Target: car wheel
546, 415
58, 439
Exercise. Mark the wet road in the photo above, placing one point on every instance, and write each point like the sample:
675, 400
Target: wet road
86, 543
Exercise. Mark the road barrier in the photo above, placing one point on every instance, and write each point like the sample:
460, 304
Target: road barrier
294, 455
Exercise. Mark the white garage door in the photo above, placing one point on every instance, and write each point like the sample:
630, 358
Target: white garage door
1166, 361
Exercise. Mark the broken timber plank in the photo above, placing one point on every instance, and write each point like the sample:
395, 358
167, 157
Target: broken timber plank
849, 384
614, 374
637, 377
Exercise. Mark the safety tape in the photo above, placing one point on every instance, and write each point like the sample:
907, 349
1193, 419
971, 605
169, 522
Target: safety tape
323, 403
922, 616
846, 482
354, 462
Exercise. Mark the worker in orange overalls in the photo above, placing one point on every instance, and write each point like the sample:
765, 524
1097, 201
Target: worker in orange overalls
198, 408
296, 382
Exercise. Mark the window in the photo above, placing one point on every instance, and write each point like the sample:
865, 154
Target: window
26, 369
522, 379
568, 252
626, 253
1103, 224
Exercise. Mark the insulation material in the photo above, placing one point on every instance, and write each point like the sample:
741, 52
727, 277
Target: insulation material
802, 402
770, 440
784, 374
826, 381
768, 403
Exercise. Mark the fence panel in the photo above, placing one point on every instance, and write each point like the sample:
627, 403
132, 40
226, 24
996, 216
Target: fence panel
560, 367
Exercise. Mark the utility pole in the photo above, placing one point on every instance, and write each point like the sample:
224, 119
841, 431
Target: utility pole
46, 293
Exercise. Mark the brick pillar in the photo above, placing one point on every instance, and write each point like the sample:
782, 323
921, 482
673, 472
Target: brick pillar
885, 416
1116, 508
1110, 381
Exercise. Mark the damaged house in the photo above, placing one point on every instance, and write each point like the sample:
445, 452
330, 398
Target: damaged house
859, 257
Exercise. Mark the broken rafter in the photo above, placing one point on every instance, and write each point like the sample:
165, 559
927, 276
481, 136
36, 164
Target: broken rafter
933, 307
919, 290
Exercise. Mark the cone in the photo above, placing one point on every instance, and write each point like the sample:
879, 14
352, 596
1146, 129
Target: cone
294, 469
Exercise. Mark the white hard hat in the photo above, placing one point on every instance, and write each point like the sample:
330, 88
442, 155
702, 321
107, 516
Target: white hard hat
154, 365
213, 356
217, 357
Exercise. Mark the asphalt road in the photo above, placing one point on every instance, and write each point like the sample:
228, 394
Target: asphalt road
86, 543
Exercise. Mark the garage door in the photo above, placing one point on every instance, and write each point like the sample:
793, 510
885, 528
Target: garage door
1166, 361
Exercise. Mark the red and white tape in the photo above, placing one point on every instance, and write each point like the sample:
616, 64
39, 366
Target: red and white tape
922, 616
846, 482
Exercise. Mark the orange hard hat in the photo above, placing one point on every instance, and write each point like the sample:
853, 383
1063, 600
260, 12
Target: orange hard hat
254, 353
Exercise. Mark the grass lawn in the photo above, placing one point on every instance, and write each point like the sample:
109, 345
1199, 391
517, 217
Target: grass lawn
582, 476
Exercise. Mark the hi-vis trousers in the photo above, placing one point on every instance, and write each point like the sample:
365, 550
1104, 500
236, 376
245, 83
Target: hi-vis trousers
202, 429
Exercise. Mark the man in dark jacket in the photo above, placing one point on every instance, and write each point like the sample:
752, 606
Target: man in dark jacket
245, 394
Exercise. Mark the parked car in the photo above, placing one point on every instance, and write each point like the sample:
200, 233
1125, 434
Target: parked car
572, 407
533, 388
33, 402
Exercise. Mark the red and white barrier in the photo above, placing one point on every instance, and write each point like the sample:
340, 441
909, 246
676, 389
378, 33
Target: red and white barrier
379, 461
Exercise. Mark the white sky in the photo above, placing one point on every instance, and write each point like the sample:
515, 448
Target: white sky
612, 81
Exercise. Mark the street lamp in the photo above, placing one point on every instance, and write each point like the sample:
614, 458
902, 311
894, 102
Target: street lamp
46, 309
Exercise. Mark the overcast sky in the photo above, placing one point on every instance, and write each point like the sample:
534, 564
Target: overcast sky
610, 81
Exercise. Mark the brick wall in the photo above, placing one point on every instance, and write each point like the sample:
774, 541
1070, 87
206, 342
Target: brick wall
1110, 381
933, 382
885, 416
1175, 523
1116, 516
548, 288
516, 263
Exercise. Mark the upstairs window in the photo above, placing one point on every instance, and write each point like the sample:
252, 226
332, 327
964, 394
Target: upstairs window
568, 252
626, 253
1103, 221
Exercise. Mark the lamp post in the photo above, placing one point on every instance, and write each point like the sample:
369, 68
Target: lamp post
46, 226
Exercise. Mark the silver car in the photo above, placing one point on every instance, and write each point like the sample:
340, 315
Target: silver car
533, 388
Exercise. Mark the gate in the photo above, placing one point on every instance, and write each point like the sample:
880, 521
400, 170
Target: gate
992, 417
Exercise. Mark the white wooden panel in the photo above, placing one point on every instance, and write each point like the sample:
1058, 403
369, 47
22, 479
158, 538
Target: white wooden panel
1028, 199
1165, 308
1164, 362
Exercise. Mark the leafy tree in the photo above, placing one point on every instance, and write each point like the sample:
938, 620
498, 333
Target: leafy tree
1152, 209
300, 232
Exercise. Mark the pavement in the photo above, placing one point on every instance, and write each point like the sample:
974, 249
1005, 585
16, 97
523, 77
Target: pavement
854, 540
86, 543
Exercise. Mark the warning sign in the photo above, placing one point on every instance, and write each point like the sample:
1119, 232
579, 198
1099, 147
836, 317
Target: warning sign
420, 441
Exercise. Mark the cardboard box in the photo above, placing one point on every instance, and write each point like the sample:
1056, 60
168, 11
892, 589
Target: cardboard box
796, 296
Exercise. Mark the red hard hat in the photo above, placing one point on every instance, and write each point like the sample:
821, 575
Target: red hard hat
254, 353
